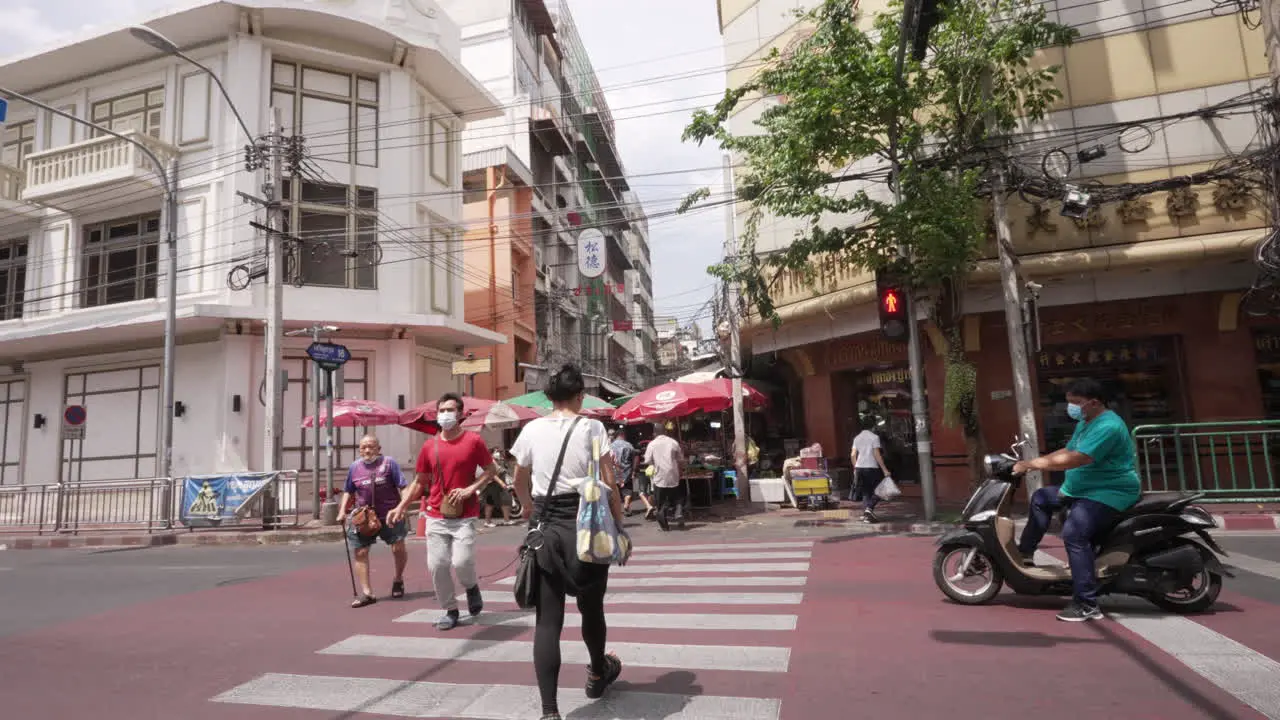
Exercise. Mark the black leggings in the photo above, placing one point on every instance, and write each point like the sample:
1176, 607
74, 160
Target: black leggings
589, 582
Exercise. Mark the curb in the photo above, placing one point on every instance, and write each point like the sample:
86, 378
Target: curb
271, 537
1248, 521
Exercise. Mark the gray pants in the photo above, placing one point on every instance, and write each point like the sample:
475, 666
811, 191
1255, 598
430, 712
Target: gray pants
451, 546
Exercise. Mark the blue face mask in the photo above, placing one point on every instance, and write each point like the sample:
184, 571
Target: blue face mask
1074, 411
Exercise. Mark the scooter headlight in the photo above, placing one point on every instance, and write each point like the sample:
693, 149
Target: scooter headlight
992, 464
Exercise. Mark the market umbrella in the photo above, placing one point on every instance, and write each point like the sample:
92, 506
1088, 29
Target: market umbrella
478, 414
620, 401
752, 399
592, 406
356, 413
671, 400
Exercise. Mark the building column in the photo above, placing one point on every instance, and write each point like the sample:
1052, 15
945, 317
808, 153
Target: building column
235, 447
401, 380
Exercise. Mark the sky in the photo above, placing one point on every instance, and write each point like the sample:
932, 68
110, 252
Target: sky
656, 60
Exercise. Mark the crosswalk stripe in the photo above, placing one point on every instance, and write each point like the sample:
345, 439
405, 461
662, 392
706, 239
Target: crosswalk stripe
705, 556
661, 598
678, 657
648, 621
744, 567
482, 702
694, 580
739, 547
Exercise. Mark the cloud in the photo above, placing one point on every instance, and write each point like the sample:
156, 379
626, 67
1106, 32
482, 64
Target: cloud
29, 26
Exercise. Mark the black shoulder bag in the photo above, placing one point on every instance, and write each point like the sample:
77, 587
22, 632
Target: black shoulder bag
526, 588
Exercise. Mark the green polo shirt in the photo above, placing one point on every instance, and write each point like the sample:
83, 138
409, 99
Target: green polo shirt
1112, 477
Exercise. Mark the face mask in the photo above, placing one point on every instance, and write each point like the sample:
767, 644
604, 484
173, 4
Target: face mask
447, 420
1074, 411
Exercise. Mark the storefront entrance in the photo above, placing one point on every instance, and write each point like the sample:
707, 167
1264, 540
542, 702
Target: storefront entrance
882, 396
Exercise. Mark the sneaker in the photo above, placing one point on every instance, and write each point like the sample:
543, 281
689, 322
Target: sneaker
868, 516
475, 603
663, 522
449, 621
490, 524
597, 685
1077, 612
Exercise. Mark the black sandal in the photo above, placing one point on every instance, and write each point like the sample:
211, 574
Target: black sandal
363, 601
397, 589
597, 686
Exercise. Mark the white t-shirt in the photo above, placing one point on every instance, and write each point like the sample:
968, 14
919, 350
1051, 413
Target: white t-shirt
663, 454
539, 445
866, 443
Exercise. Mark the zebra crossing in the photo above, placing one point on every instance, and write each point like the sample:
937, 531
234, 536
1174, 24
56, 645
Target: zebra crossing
719, 598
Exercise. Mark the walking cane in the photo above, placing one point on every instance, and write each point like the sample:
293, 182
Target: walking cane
351, 570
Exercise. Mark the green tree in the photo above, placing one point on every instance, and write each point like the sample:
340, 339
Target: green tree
843, 101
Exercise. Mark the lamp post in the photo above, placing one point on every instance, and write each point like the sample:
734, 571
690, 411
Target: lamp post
169, 179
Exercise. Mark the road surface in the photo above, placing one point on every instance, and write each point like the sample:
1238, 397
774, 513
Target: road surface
776, 628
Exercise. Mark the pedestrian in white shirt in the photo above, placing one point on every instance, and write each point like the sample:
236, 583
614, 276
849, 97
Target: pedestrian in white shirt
868, 467
667, 459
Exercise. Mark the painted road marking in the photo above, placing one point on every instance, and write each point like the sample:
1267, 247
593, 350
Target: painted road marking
735, 547
678, 657
1246, 674
630, 569
482, 702
693, 580
678, 598
706, 556
1258, 566
652, 621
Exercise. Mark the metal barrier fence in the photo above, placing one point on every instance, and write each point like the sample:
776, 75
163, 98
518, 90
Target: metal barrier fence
153, 504
1227, 461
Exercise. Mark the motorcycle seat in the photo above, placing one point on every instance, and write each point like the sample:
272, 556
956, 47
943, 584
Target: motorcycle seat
1151, 503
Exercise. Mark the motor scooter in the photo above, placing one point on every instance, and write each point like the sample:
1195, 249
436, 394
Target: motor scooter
1159, 550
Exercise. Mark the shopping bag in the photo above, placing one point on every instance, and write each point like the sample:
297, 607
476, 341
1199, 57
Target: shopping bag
887, 489
600, 540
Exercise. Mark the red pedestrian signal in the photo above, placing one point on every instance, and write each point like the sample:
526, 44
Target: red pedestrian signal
893, 310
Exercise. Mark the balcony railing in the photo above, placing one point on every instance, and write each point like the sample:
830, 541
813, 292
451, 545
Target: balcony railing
13, 209
60, 177
11, 182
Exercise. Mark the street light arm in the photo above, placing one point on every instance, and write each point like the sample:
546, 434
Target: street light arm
222, 89
155, 161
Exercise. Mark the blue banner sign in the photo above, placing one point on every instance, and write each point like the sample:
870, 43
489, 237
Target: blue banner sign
214, 498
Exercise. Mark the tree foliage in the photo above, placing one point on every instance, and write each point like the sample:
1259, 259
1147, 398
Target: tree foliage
842, 104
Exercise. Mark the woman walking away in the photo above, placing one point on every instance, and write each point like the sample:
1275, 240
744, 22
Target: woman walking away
554, 454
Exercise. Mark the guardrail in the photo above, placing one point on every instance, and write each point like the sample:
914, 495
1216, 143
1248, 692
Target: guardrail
151, 504
1227, 461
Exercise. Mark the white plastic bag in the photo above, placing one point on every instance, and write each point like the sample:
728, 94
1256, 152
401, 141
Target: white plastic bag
887, 489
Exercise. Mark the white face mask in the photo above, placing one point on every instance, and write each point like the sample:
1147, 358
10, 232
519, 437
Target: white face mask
448, 420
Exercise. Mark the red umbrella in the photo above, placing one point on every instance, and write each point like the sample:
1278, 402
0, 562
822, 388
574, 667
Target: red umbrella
672, 400
752, 398
356, 413
477, 413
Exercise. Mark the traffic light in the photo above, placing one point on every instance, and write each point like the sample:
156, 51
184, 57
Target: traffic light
892, 302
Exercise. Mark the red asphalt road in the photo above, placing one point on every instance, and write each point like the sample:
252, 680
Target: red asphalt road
875, 639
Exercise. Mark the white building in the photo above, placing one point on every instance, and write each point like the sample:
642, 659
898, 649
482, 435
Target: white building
377, 90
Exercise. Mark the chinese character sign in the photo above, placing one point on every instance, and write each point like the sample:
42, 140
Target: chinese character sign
591, 253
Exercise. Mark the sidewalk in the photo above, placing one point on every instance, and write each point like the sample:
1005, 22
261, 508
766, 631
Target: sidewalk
902, 516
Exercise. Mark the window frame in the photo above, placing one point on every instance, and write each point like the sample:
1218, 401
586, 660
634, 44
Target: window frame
144, 239
441, 133
147, 109
296, 90
351, 210
14, 263
23, 152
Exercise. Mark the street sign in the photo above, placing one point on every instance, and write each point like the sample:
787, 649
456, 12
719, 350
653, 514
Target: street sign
4, 109
475, 366
73, 418
591, 253
329, 356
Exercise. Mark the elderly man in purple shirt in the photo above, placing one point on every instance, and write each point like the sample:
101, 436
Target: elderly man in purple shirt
376, 481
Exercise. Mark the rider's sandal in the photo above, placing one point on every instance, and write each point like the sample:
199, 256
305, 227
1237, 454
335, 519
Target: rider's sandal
597, 685
363, 601
397, 589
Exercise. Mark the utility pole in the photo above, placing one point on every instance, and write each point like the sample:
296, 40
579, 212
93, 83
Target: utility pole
272, 451
1013, 320
915, 358
742, 483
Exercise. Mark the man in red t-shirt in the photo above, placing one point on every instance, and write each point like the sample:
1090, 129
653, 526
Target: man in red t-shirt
447, 467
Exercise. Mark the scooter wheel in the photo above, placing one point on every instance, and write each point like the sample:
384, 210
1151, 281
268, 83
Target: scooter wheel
947, 564
1197, 601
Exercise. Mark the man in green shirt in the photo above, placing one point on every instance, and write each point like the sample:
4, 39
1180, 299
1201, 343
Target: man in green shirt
1101, 483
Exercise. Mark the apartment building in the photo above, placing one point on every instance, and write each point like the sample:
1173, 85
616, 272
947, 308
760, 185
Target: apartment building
375, 216
535, 177
1142, 295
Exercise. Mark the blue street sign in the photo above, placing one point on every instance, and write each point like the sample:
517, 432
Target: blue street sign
329, 356
4, 108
